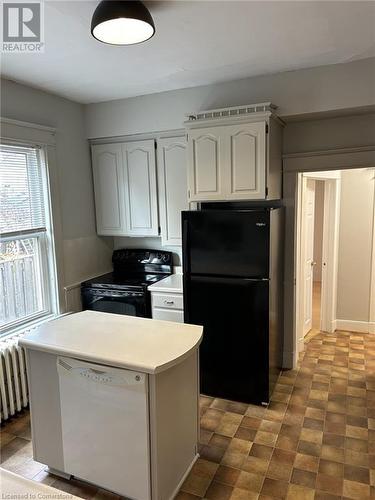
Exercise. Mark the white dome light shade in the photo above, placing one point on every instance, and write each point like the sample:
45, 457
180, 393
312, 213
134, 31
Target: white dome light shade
123, 31
122, 22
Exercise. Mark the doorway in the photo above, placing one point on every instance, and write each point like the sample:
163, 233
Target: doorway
317, 248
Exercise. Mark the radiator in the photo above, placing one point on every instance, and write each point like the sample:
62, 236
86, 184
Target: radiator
13, 378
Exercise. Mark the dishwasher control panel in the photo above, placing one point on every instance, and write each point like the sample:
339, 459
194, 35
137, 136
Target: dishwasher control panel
95, 377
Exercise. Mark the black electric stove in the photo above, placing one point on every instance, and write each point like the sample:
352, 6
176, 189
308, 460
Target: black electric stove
124, 291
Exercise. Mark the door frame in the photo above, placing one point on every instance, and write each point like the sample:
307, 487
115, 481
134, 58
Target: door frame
332, 183
293, 164
301, 274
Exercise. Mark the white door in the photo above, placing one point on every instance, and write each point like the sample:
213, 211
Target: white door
109, 189
307, 247
244, 151
172, 177
204, 164
330, 250
140, 188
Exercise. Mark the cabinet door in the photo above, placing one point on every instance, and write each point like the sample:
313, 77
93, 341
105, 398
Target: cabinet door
140, 188
204, 164
244, 155
172, 178
108, 187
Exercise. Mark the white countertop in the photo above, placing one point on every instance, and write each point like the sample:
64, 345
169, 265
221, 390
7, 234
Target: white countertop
141, 344
171, 284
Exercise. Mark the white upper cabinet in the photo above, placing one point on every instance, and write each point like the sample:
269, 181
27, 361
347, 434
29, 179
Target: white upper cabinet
245, 154
172, 184
229, 154
109, 194
125, 188
234, 154
204, 160
140, 188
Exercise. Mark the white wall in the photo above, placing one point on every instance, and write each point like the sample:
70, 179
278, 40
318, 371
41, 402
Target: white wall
318, 229
335, 87
355, 244
85, 254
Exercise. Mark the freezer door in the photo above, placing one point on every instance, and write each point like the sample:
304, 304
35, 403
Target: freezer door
104, 419
234, 350
226, 243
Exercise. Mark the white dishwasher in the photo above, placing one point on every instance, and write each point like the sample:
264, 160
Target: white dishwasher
104, 417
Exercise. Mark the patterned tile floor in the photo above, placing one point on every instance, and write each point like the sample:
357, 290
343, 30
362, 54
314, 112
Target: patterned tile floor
315, 440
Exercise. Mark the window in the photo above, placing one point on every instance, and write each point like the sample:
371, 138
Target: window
27, 267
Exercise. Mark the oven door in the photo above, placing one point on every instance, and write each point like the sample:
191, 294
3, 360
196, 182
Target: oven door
116, 301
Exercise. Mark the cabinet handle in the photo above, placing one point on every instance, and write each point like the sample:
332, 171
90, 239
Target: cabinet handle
169, 302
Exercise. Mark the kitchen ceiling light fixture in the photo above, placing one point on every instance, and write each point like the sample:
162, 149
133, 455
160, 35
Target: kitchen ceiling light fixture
121, 22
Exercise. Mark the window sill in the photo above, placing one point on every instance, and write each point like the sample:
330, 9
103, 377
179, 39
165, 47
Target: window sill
28, 326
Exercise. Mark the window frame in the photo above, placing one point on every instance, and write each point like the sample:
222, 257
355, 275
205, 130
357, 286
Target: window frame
51, 291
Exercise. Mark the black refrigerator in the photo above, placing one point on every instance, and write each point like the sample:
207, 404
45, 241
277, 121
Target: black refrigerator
233, 281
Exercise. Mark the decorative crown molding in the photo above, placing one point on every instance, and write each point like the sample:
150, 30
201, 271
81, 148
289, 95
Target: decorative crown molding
232, 112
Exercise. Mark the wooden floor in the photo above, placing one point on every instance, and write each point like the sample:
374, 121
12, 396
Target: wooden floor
315, 440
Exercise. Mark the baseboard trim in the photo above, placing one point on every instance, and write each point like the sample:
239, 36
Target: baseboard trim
300, 344
289, 360
355, 326
333, 326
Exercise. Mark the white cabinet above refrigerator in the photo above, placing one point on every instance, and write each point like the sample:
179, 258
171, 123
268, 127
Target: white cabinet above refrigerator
234, 154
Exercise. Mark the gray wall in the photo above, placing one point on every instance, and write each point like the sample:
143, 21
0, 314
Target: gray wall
318, 134
300, 92
355, 244
85, 254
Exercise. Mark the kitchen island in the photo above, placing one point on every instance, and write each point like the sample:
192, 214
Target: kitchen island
114, 401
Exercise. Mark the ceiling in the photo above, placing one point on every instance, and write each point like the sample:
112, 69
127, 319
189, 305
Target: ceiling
196, 43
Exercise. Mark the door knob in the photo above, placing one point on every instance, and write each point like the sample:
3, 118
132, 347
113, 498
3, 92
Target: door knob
313, 263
